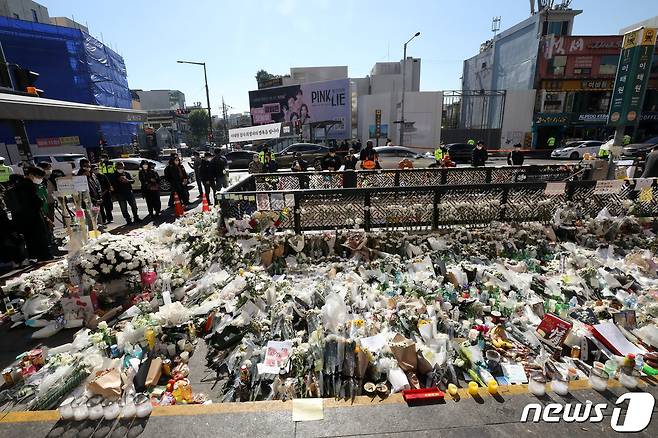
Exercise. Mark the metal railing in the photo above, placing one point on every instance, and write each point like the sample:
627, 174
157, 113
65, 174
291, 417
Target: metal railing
434, 206
405, 177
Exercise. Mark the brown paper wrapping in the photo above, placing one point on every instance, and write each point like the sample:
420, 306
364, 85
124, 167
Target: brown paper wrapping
154, 373
404, 351
106, 383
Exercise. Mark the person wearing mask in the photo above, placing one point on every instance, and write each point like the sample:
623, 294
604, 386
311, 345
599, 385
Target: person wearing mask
106, 204
27, 214
92, 182
196, 165
515, 157
208, 177
176, 175
389, 142
106, 167
220, 164
5, 172
357, 145
299, 164
349, 177
123, 189
270, 165
479, 156
50, 188
255, 165
331, 161
150, 187
369, 157
651, 164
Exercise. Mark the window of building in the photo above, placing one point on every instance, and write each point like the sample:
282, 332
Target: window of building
608, 64
555, 28
553, 103
582, 71
556, 65
35, 16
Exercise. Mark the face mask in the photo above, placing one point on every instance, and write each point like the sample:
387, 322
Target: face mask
119, 170
208, 159
176, 162
145, 167
49, 172
86, 169
36, 180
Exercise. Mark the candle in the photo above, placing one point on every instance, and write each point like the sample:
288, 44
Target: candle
80, 411
537, 385
492, 387
560, 385
143, 405
598, 379
128, 409
95, 408
473, 388
111, 409
452, 389
66, 409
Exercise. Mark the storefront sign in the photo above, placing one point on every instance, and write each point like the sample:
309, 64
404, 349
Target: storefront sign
551, 119
251, 133
649, 116
632, 76
378, 123
58, 141
577, 84
592, 118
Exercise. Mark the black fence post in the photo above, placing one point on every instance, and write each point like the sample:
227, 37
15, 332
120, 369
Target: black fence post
396, 178
503, 204
444, 176
366, 210
569, 191
435, 211
297, 217
487, 178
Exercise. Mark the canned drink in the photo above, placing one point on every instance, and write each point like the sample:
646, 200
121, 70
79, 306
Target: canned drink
166, 367
575, 352
114, 351
7, 374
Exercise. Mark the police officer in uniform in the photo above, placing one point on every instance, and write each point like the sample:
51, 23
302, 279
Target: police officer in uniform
551, 142
438, 154
5, 171
627, 140
106, 167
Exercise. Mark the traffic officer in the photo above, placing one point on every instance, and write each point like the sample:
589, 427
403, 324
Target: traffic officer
5, 171
106, 167
438, 154
627, 140
551, 142
603, 151
261, 155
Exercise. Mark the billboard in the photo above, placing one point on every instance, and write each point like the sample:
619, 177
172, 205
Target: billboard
251, 133
306, 103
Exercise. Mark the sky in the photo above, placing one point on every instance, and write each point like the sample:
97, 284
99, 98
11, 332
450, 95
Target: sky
239, 37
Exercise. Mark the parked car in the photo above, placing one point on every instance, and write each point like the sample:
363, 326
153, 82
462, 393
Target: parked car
313, 153
59, 162
639, 150
460, 152
132, 167
574, 150
390, 157
239, 159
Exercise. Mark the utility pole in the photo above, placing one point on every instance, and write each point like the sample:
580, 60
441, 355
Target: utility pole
225, 117
404, 83
205, 77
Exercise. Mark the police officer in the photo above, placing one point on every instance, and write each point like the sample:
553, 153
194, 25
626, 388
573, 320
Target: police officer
262, 155
551, 142
438, 154
5, 171
603, 151
627, 140
106, 167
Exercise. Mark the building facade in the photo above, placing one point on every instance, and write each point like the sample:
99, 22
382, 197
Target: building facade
72, 66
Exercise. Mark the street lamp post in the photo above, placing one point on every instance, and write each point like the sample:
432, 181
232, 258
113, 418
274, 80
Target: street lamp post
404, 83
205, 77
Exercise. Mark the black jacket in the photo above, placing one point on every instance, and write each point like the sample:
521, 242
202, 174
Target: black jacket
207, 171
220, 164
25, 205
331, 163
122, 183
150, 180
479, 157
303, 165
95, 189
175, 174
651, 165
515, 158
350, 162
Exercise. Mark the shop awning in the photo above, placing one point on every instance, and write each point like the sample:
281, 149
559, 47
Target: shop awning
21, 107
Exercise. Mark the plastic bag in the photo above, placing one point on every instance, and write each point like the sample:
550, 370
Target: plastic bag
334, 312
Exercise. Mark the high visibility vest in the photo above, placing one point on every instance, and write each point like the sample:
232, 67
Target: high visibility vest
438, 154
551, 142
261, 156
5, 171
107, 169
627, 139
471, 142
603, 153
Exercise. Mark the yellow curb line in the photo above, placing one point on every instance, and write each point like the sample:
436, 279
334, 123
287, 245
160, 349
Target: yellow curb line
276, 405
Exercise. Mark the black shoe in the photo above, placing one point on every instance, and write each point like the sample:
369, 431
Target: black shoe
111, 221
129, 221
137, 219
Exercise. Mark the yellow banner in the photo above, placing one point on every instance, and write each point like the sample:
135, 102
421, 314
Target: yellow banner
648, 37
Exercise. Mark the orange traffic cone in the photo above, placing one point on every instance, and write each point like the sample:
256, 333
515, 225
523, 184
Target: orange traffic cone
178, 207
204, 203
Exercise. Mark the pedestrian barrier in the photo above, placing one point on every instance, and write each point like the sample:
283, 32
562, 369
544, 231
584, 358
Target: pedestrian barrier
406, 177
435, 206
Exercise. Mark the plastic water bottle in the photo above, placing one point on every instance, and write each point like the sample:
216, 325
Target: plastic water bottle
573, 302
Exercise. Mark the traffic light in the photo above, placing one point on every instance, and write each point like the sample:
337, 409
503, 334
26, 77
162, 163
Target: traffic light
25, 81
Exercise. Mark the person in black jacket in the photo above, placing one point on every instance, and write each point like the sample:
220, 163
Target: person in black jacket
177, 176
123, 188
208, 176
106, 195
27, 214
479, 155
299, 164
331, 161
196, 165
515, 157
220, 164
349, 177
651, 164
150, 187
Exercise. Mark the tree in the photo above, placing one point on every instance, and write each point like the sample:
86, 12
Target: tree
198, 121
262, 76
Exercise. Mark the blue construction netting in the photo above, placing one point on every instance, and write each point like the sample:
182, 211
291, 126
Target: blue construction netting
72, 66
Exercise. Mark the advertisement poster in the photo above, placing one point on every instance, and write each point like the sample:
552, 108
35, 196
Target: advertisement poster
304, 104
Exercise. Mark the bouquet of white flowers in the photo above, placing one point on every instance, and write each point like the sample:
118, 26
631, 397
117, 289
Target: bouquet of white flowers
112, 257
